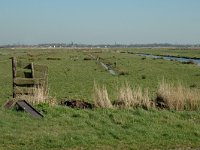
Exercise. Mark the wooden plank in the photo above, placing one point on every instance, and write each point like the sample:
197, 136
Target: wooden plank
24, 90
23, 74
28, 108
32, 71
28, 81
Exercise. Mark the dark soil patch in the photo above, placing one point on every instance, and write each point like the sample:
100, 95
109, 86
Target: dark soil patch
160, 103
88, 58
51, 58
79, 104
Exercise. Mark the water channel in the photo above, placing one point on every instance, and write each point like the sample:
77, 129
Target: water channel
180, 59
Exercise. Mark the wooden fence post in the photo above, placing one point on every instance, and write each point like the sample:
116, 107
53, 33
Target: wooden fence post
14, 73
32, 71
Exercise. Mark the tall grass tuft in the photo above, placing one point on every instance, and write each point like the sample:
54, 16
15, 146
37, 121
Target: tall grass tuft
129, 97
101, 98
177, 97
39, 96
125, 96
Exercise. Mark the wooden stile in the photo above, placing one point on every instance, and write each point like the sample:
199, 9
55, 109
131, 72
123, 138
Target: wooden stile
27, 77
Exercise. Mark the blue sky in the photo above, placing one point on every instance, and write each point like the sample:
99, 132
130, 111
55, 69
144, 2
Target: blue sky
99, 21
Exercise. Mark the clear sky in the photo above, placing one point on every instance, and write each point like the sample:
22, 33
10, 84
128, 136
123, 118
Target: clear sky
100, 21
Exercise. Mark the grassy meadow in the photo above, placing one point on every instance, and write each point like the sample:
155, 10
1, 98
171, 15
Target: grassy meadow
72, 76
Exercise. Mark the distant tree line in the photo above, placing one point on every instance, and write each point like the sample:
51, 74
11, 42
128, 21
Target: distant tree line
75, 45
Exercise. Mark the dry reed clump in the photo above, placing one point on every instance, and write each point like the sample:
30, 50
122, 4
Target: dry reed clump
177, 97
39, 96
101, 97
129, 97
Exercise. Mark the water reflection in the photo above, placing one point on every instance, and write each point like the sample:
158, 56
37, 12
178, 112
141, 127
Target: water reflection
180, 59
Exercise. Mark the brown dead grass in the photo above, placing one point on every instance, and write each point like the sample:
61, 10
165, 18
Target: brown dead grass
169, 96
178, 97
129, 97
101, 98
39, 96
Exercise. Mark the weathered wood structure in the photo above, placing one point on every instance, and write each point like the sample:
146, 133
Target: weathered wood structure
27, 77
22, 104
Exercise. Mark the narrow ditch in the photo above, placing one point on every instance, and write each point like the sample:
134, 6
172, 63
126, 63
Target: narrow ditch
107, 67
171, 58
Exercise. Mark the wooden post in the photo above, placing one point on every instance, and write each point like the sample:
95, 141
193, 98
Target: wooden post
14, 72
45, 80
32, 71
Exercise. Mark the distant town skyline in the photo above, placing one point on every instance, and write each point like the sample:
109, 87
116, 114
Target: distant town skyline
99, 22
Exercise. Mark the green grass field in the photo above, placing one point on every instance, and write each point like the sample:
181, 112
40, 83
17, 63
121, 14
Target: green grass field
72, 77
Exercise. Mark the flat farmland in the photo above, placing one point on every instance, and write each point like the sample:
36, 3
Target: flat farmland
72, 75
